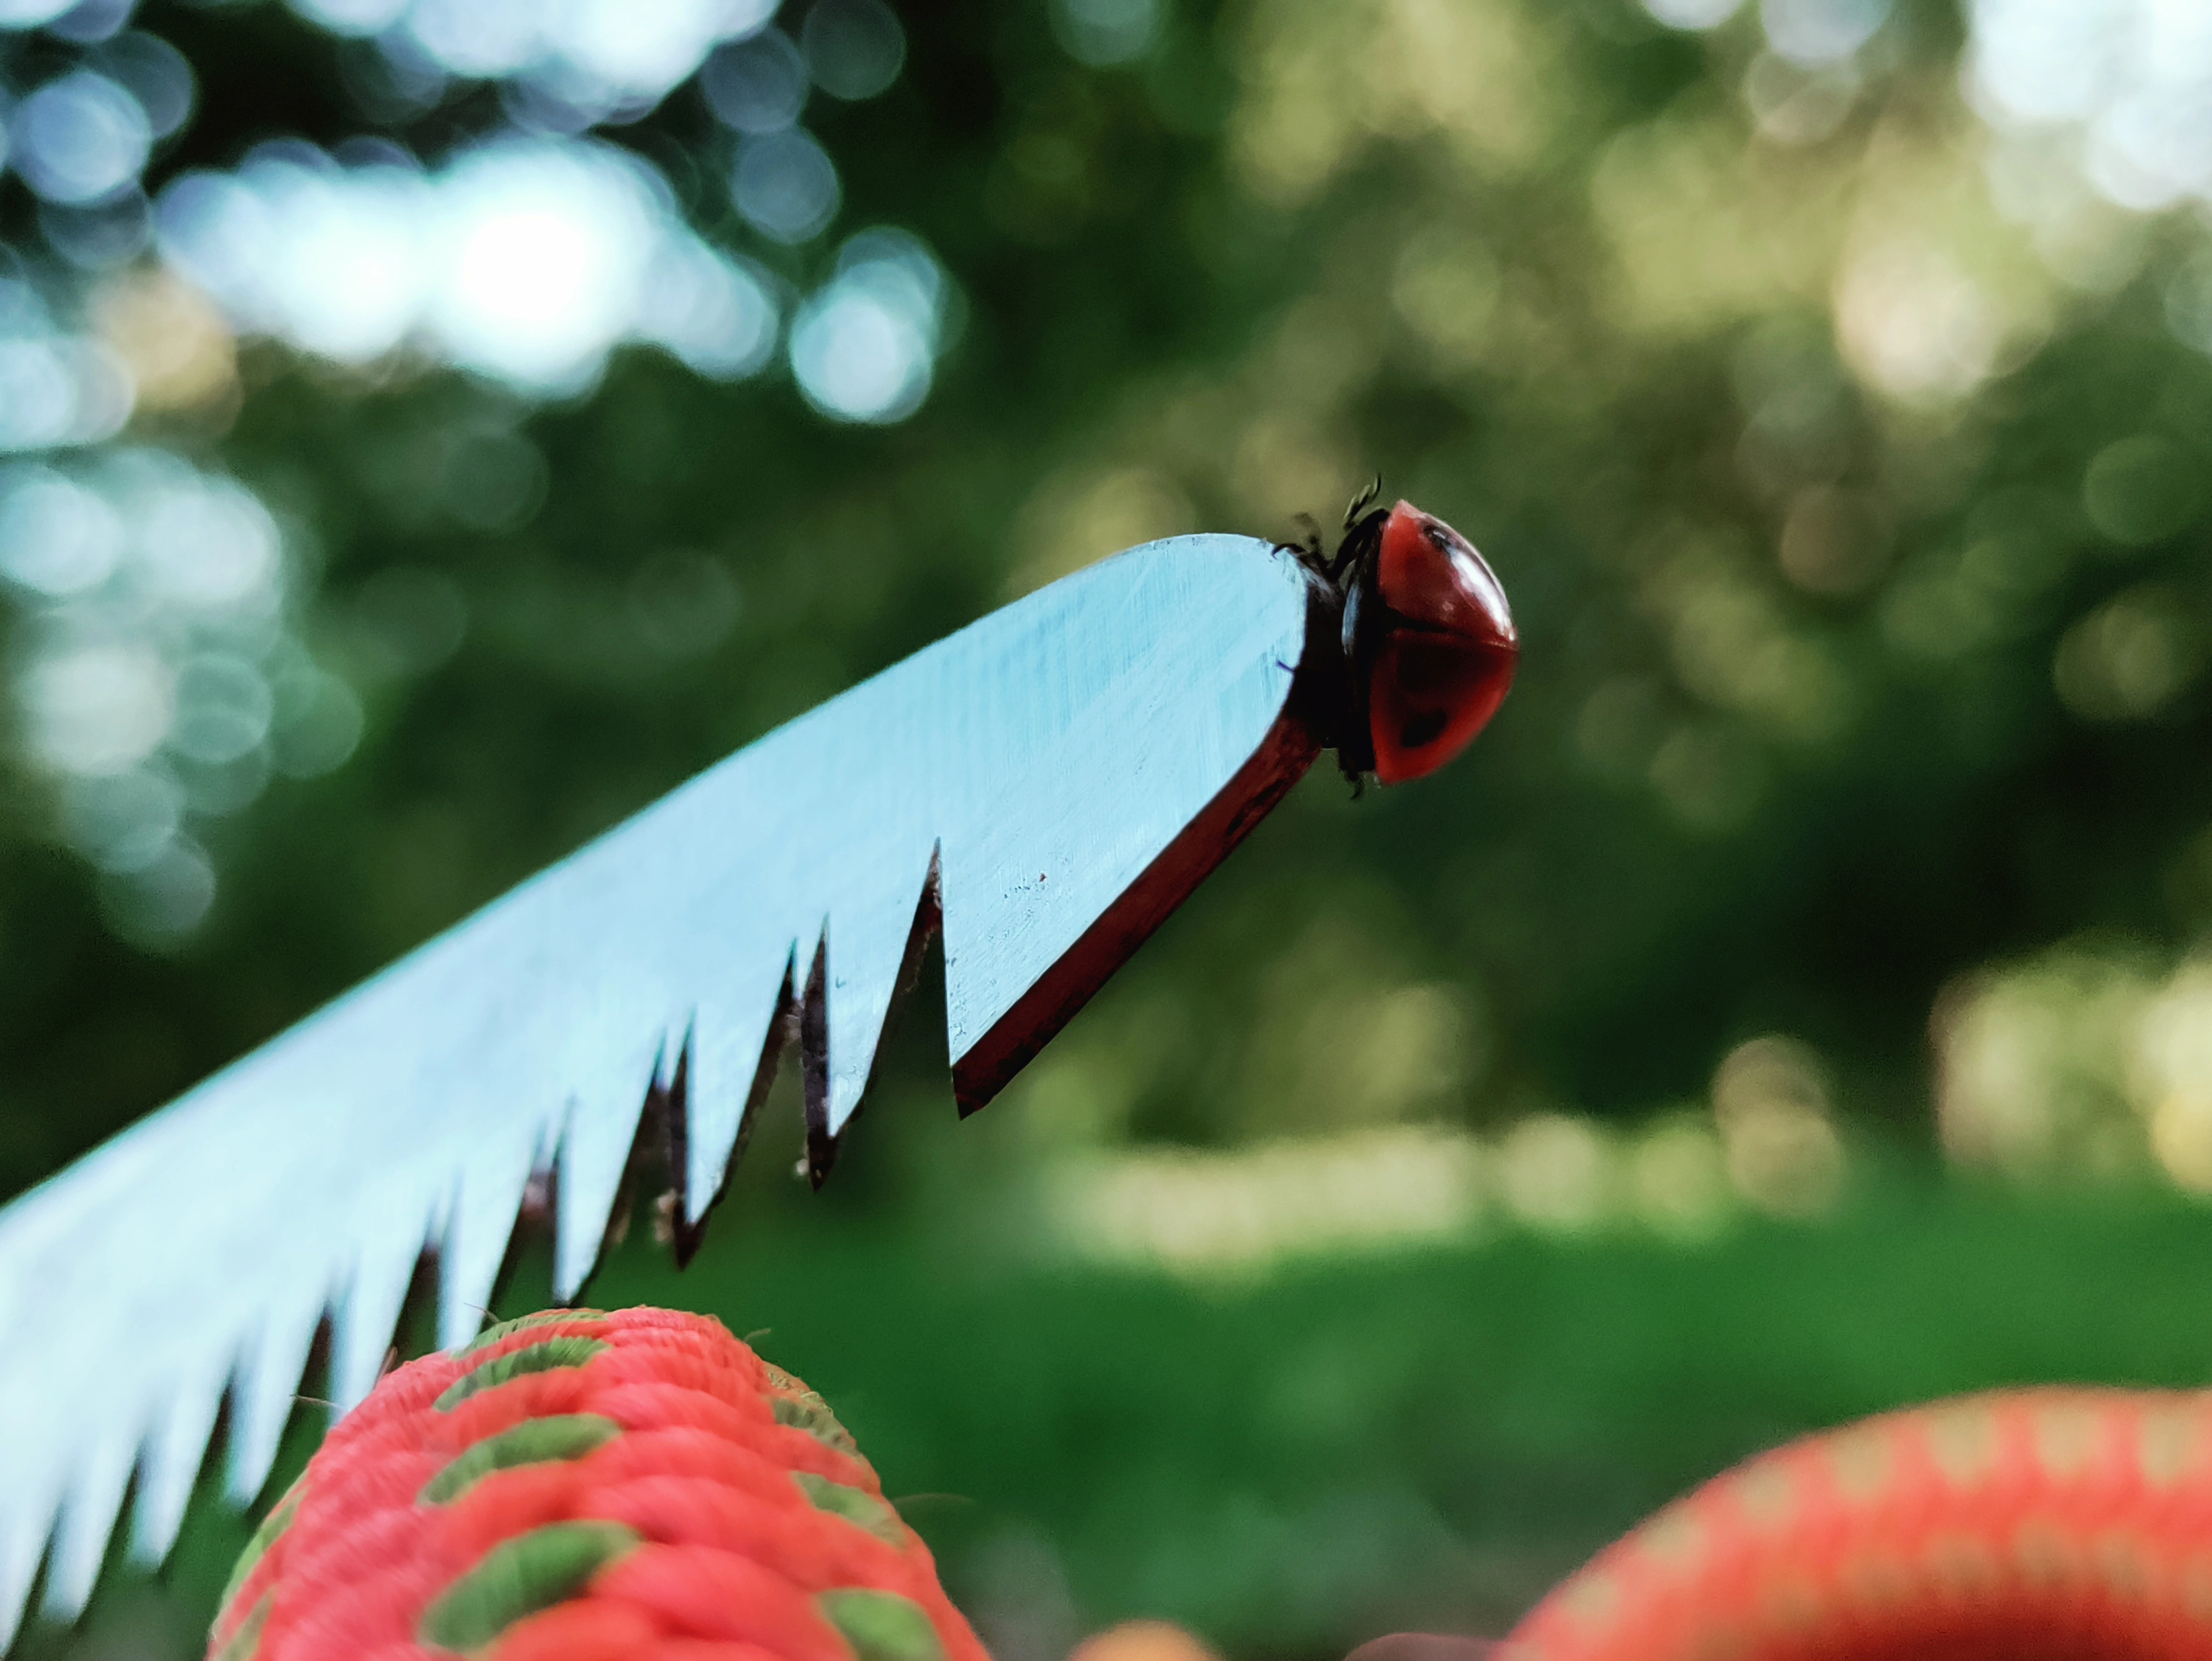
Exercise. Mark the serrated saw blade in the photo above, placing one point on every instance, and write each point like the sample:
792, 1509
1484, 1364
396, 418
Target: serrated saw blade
1050, 782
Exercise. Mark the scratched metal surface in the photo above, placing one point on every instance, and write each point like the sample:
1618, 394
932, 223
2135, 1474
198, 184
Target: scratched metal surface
1043, 756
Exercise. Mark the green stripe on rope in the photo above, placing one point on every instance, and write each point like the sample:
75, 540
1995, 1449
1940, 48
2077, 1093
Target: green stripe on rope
543, 1317
247, 1637
882, 1626
568, 1350
519, 1577
533, 1442
279, 1518
853, 1504
810, 1414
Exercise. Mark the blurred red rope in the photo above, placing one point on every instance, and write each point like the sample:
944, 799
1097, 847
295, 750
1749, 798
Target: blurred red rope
2024, 1525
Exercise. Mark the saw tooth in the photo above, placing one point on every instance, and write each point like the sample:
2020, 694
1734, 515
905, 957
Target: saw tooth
851, 994
814, 1062
175, 1452
732, 1056
26, 1527
365, 1317
478, 1227
596, 1147
88, 1521
266, 1388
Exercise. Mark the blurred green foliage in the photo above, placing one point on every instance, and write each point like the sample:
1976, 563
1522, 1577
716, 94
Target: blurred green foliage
1859, 549
1795, 740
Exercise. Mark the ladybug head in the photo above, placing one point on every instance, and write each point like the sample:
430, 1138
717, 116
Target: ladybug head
1428, 640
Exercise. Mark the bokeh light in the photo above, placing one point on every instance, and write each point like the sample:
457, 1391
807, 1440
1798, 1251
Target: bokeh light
1106, 32
56, 387
1810, 33
757, 85
366, 17
2033, 1064
863, 346
1765, 1144
57, 539
1209, 1213
785, 185
80, 139
97, 710
586, 61
2127, 83
92, 20
1771, 1100
1692, 14
30, 13
854, 48
102, 237
173, 344
154, 73
527, 260
524, 256
159, 679
2089, 1062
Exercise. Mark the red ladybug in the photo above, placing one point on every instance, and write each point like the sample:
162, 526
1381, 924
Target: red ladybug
1428, 638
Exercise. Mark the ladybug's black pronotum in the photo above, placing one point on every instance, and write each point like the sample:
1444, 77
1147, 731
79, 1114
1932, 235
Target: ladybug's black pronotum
1428, 639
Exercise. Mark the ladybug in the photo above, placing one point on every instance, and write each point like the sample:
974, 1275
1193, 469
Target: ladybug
1429, 642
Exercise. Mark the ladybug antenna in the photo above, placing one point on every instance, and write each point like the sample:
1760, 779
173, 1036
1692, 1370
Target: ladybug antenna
1363, 502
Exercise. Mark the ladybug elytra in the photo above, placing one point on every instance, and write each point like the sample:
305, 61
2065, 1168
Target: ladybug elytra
1428, 639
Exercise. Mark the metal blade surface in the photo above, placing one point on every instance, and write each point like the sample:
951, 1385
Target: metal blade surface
1052, 780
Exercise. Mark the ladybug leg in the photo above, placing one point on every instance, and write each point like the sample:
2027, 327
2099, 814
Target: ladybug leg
1307, 550
1360, 541
1363, 502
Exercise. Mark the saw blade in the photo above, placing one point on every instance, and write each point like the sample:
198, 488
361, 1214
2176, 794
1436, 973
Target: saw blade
1050, 782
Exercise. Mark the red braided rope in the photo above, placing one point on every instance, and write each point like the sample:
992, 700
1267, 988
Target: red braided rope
589, 1486
2028, 1525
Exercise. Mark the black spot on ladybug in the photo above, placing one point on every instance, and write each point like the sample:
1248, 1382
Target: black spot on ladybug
1421, 729
1440, 539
